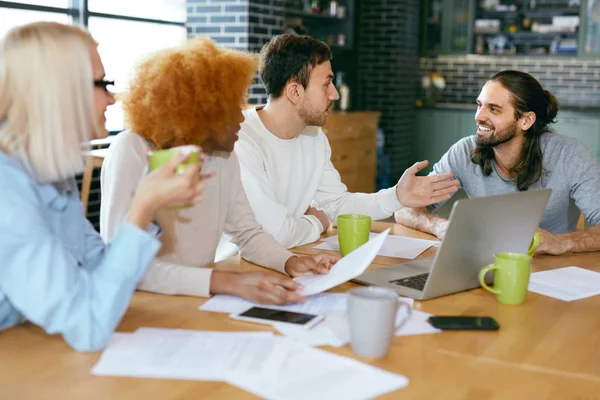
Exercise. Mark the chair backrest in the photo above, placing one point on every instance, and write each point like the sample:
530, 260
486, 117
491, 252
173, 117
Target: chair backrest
581, 223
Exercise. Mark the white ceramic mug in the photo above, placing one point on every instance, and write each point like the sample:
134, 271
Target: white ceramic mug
372, 318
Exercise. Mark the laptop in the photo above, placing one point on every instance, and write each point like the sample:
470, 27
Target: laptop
478, 229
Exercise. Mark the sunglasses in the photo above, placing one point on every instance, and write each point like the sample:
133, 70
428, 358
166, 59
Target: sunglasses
104, 84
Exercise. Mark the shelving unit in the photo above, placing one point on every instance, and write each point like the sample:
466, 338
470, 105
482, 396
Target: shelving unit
517, 33
337, 31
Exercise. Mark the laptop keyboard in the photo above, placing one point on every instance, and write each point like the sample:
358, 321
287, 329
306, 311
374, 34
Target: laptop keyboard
416, 282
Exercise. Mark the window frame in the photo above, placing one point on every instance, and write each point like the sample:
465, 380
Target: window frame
79, 14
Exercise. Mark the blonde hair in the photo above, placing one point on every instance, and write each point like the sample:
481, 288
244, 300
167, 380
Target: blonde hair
187, 94
46, 98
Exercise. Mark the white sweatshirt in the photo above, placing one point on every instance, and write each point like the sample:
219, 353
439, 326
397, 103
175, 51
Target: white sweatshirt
189, 236
282, 178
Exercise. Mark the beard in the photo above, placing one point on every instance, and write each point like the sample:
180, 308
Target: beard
310, 115
497, 138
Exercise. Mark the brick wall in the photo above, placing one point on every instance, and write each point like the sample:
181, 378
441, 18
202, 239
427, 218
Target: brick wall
574, 81
389, 64
239, 24
265, 20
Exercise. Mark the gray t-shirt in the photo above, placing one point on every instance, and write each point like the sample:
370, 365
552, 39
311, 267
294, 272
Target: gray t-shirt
569, 170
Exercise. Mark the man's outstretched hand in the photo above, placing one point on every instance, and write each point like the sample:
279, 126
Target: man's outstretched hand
421, 191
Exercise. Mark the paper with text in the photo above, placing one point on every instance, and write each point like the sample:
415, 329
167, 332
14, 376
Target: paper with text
567, 284
271, 367
347, 268
310, 373
183, 354
320, 304
335, 329
394, 246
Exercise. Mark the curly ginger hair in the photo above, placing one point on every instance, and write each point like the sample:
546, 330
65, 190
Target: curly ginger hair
188, 94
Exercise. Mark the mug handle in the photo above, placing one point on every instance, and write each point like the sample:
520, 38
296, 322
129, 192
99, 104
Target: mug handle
408, 314
534, 244
482, 273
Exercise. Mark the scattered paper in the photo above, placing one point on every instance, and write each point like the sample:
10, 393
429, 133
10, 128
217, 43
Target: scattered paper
319, 304
417, 324
567, 284
394, 246
335, 329
271, 367
347, 268
186, 354
310, 373
330, 332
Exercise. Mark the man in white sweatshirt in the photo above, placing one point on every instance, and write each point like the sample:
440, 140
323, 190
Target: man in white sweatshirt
293, 188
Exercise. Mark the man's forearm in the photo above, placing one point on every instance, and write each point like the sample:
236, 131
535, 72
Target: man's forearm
423, 220
580, 241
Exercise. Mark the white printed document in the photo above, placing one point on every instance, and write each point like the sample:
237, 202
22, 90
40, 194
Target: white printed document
320, 304
310, 373
394, 246
271, 367
187, 354
567, 284
347, 268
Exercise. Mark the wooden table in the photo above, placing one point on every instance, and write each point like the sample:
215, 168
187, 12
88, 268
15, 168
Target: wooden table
545, 349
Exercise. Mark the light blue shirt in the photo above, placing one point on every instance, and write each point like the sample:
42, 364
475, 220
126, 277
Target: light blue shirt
55, 271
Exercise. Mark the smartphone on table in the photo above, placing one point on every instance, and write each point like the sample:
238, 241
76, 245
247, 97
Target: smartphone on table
270, 316
447, 322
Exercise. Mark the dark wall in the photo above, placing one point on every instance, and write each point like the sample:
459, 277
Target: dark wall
389, 69
237, 24
574, 81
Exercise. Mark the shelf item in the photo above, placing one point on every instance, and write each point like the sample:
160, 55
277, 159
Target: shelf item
528, 27
518, 27
331, 21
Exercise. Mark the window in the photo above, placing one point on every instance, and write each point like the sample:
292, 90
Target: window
126, 31
46, 3
170, 10
9, 18
122, 44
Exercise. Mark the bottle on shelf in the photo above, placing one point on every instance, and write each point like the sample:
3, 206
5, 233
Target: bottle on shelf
344, 91
315, 6
333, 8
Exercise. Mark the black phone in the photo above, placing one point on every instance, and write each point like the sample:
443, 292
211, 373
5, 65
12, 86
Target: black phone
447, 322
264, 315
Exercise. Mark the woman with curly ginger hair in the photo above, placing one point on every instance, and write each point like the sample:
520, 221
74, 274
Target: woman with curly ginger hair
193, 94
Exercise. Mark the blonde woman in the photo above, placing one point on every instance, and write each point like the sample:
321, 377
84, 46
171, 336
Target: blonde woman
193, 95
55, 270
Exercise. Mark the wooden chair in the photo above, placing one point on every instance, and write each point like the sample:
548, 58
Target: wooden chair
581, 223
93, 159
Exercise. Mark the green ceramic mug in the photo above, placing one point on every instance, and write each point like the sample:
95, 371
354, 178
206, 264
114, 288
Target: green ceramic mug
158, 158
511, 277
535, 242
353, 231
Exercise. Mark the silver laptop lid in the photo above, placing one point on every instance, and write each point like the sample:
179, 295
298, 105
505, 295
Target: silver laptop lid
480, 228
